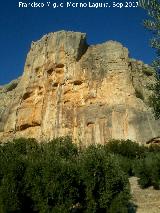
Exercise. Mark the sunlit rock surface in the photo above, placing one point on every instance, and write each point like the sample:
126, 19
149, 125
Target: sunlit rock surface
93, 93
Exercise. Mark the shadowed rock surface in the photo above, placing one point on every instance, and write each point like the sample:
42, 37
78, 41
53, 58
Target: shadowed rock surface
93, 93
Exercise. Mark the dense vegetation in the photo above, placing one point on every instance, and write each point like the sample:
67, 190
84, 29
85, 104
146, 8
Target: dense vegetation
60, 177
153, 24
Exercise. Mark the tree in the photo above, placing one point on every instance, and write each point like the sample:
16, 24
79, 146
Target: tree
153, 24
148, 170
56, 176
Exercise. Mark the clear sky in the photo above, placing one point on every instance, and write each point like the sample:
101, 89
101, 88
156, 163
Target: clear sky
21, 26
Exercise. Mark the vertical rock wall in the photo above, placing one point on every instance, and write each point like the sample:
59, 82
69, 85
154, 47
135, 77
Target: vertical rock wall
93, 93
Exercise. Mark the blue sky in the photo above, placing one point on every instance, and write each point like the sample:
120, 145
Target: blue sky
21, 26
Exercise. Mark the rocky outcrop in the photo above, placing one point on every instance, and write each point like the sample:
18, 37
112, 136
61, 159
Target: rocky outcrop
154, 141
93, 93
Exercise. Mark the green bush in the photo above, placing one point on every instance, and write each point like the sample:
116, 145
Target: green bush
139, 94
52, 177
106, 185
13, 163
154, 99
148, 170
126, 148
58, 177
126, 152
126, 164
135, 159
154, 148
149, 71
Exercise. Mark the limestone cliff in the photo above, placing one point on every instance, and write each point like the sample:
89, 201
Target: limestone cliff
93, 93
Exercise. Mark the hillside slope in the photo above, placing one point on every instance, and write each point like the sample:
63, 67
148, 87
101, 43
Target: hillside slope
146, 200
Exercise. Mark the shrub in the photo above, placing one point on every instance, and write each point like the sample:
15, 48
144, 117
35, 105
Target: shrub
149, 71
148, 170
126, 148
52, 176
127, 152
154, 99
62, 147
139, 94
126, 164
106, 185
154, 148
13, 163
57, 177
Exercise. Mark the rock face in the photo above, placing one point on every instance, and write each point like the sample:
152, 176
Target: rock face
93, 93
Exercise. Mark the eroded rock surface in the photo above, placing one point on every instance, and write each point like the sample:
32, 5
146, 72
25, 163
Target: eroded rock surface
93, 93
